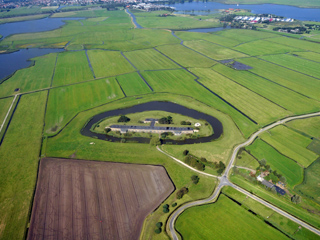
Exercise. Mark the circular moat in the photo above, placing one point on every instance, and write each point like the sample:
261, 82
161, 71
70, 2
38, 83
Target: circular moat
154, 106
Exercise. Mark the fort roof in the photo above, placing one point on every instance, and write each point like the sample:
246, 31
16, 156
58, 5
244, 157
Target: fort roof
151, 128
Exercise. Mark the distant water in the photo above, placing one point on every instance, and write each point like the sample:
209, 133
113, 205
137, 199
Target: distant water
11, 62
39, 25
200, 8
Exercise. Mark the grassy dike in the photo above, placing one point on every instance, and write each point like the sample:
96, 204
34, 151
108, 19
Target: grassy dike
19, 156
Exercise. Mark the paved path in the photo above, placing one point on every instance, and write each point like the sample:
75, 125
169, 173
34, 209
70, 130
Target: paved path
224, 181
5, 119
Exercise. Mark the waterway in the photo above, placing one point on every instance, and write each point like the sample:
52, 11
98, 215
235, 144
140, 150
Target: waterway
11, 62
134, 20
204, 8
155, 106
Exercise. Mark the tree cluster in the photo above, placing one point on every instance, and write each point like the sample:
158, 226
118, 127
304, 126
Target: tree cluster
296, 199
165, 208
185, 123
182, 192
195, 179
165, 120
155, 141
158, 227
123, 118
194, 162
220, 166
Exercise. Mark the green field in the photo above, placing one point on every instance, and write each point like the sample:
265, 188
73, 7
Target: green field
32, 78
274, 92
133, 84
310, 126
305, 45
290, 144
283, 165
308, 55
310, 186
25, 18
71, 67
223, 220
185, 57
301, 65
258, 108
4, 107
212, 50
285, 77
19, 156
284, 224
152, 20
149, 59
79, 97
108, 63
246, 160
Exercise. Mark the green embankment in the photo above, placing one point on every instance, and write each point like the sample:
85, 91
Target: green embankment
223, 220
287, 167
4, 107
19, 156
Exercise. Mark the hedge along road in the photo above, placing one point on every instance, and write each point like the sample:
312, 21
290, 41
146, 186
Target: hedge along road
224, 181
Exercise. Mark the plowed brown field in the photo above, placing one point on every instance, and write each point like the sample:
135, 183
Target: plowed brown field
77, 199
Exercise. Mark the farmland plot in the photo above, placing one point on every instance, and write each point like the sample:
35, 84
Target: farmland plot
76, 199
133, 84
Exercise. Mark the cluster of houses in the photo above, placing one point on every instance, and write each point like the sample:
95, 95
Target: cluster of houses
279, 187
151, 7
254, 19
151, 129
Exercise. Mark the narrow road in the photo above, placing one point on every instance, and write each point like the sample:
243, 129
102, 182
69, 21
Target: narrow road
224, 181
5, 119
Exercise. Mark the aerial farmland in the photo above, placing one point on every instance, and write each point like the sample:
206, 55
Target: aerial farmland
247, 167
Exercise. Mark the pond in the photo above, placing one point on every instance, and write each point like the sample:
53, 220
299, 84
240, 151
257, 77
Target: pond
155, 106
201, 8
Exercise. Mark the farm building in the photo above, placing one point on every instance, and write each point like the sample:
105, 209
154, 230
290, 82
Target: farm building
151, 129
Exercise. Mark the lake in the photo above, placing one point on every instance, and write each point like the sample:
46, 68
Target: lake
11, 62
303, 14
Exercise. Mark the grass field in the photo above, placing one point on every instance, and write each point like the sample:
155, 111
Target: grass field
230, 222
310, 187
308, 55
301, 65
79, 97
247, 160
258, 108
72, 67
291, 144
108, 63
152, 20
133, 84
181, 82
212, 50
4, 107
275, 93
149, 59
303, 210
262, 47
285, 77
283, 165
20, 150
32, 78
284, 224
306, 45
309, 126
25, 18
225, 41
185, 57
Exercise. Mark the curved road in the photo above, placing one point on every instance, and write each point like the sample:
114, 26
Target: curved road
224, 181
